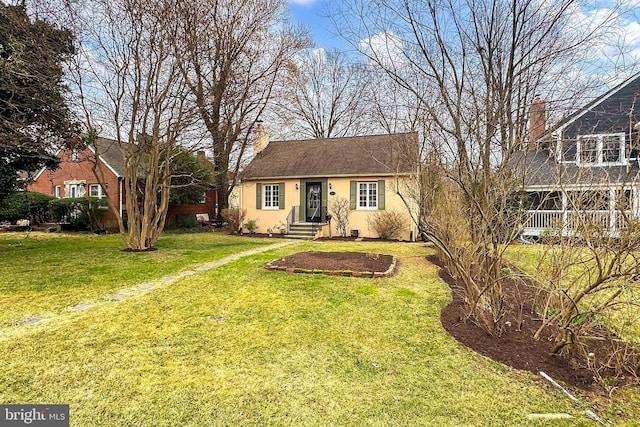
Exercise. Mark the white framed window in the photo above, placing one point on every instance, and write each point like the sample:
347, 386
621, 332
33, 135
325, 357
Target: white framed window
271, 196
95, 190
368, 195
603, 149
58, 192
74, 188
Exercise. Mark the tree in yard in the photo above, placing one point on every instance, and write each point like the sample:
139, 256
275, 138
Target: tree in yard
324, 96
474, 67
191, 177
34, 118
231, 55
129, 82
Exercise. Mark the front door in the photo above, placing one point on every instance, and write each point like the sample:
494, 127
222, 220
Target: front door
314, 202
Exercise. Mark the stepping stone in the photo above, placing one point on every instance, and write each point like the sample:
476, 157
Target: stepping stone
168, 278
117, 297
187, 273
83, 306
31, 320
218, 319
146, 286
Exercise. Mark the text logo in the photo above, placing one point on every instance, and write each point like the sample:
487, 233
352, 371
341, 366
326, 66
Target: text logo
34, 415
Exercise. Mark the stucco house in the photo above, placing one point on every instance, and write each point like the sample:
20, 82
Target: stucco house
291, 184
75, 178
585, 168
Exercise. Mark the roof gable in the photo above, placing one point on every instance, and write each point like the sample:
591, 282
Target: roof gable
107, 150
617, 110
388, 154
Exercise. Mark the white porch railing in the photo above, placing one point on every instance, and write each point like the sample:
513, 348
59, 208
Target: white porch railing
537, 221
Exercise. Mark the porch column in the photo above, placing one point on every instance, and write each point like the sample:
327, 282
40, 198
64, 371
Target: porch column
613, 214
565, 213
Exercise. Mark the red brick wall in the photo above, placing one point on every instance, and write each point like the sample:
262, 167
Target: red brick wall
78, 170
209, 207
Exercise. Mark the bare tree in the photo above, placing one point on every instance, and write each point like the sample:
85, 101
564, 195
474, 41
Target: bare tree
231, 55
131, 87
324, 96
340, 209
475, 67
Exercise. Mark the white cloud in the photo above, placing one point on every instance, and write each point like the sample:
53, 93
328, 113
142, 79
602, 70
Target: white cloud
385, 48
303, 2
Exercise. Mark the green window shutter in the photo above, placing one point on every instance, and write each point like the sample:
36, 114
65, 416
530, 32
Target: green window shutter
303, 201
353, 194
381, 194
325, 199
281, 195
258, 196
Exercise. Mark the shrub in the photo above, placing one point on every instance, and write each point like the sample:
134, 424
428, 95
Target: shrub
251, 225
388, 224
84, 213
233, 217
340, 209
186, 221
26, 205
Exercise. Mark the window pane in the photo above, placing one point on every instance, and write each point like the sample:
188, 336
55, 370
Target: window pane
373, 195
589, 150
611, 149
268, 195
271, 196
362, 195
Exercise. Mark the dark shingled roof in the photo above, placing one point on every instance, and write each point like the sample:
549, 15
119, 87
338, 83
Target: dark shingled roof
108, 150
349, 156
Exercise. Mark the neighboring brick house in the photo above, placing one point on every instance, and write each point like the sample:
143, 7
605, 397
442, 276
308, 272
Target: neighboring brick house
586, 167
75, 178
292, 183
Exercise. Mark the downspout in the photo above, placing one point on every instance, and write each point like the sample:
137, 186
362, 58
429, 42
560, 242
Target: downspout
120, 196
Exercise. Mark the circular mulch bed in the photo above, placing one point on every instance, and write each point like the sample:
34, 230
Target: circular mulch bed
336, 262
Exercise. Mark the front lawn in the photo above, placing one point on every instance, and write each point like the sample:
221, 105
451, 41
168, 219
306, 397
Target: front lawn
240, 345
42, 274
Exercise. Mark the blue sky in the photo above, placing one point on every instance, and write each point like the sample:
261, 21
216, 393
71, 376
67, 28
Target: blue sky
311, 13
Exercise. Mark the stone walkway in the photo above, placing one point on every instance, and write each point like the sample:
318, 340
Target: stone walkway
145, 287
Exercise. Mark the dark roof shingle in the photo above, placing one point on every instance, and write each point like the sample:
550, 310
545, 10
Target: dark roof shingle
108, 150
349, 156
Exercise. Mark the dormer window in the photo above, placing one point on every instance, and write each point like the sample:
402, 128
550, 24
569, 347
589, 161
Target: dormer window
598, 150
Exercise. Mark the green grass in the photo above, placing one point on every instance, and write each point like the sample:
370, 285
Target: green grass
42, 274
240, 345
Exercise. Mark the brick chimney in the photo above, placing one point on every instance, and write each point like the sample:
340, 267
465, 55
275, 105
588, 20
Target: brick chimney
260, 139
537, 121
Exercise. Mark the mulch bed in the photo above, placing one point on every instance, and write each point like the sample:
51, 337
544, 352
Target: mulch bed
518, 348
314, 261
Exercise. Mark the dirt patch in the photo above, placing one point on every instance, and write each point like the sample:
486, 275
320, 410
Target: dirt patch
517, 347
336, 261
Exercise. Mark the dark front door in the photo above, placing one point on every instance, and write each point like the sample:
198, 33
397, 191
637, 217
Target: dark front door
314, 202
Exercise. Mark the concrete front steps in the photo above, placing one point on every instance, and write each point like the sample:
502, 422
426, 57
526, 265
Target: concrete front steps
304, 230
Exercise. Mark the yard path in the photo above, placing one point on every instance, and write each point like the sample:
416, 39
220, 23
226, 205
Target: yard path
31, 322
